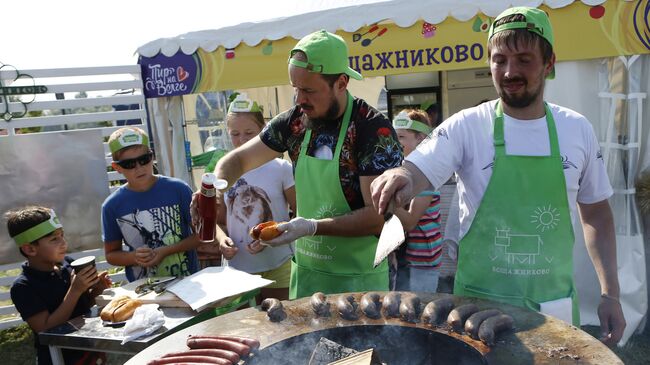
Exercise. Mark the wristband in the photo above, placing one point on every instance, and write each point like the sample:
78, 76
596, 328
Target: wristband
607, 296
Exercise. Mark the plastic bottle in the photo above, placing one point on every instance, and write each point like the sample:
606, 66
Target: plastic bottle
207, 206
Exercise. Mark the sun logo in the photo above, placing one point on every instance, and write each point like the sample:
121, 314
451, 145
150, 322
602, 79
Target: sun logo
325, 211
546, 218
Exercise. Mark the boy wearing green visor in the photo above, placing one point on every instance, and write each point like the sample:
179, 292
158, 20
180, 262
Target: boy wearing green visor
48, 292
150, 214
527, 171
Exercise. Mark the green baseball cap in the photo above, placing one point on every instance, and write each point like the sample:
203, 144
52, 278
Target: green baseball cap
128, 138
40, 230
327, 54
535, 21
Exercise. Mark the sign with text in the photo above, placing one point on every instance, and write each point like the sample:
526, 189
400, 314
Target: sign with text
581, 32
169, 76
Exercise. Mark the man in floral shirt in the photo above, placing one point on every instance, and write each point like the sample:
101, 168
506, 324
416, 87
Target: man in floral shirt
338, 145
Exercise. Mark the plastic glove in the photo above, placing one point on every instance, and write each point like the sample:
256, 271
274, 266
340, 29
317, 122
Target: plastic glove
292, 230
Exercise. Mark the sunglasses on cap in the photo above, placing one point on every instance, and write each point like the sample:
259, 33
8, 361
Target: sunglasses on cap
131, 162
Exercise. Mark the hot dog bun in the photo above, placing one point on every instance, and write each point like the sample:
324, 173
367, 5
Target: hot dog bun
120, 309
265, 231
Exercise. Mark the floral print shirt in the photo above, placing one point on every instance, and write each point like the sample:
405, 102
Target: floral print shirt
370, 146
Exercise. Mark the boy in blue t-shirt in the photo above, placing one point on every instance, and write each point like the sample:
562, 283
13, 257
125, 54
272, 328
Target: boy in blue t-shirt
48, 292
150, 214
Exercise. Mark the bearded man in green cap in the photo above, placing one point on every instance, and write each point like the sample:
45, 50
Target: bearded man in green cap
338, 144
525, 168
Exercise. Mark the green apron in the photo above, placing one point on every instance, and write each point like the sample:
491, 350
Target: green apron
328, 263
519, 247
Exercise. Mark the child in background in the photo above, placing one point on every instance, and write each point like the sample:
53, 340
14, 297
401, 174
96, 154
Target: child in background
150, 214
48, 292
260, 195
420, 255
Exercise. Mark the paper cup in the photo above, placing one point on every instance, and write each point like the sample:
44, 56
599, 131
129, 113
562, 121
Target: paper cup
81, 263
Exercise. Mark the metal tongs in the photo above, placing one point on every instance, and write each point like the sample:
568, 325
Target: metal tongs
156, 285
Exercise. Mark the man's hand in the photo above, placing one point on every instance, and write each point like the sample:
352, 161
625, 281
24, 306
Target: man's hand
612, 322
292, 230
393, 186
228, 248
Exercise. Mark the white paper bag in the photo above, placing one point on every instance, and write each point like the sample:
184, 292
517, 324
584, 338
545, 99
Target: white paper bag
146, 319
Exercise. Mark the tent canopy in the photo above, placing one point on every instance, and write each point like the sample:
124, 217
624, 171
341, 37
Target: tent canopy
391, 37
404, 13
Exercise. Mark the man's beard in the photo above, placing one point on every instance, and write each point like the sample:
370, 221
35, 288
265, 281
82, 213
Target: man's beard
522, 101
331, 114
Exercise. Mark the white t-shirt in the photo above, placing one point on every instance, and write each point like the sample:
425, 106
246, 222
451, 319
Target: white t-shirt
258, 196
464, 144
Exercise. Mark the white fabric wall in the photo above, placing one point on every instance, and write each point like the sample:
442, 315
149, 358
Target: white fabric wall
608, 93
167, 124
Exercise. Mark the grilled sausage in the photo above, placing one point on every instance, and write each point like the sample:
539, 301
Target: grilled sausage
474, 321
224, 354
250, 342
458, 315
320, 305
265, 231
492, 326
409, 309
390, 304
190, 359
347, 307
370, 305
437, 310
274, 309
214, 343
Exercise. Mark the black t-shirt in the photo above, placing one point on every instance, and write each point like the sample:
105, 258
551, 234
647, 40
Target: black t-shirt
35, 291
370, 146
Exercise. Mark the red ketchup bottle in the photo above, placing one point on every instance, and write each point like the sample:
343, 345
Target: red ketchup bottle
207, 206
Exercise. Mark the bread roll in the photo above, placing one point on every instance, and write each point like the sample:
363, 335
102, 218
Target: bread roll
265, 231
120, 309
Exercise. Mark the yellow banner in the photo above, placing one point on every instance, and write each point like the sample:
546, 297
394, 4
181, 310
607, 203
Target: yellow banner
581, 32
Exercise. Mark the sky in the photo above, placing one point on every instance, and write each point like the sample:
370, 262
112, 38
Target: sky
39, 34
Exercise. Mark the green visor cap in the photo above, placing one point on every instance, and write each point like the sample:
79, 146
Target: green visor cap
128, 138
242, 104
402, 121
40, 230
535, 20
326, 54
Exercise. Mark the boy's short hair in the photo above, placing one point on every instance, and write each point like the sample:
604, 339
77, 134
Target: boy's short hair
124, 138
21, 220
